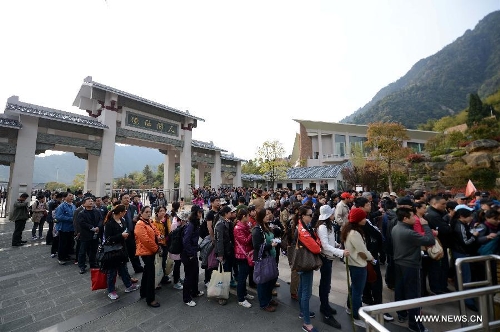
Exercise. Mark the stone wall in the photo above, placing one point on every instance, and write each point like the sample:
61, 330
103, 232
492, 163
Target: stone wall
305, 149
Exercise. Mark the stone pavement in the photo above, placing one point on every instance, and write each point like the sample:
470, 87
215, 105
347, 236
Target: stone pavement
38, 294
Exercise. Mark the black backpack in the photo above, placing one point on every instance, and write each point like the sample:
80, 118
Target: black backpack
204, 227
175, 240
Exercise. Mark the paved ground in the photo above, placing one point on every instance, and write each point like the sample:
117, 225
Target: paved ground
38, 294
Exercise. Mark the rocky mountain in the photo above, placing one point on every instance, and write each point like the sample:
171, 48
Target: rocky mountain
64, 167
439, 85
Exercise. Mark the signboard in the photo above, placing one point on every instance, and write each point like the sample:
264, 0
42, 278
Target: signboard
144, 122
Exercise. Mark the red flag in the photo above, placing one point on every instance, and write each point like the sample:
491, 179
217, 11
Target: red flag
470, 189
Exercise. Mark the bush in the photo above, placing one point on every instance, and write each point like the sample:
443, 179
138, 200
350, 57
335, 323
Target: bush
458, 153
415, 158
427, 178
484, 177
437, 152
437, 159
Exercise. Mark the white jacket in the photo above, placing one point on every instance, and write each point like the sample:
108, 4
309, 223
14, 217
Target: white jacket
328, 244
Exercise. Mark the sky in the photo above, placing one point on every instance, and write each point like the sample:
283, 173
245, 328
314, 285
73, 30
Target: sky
247, 67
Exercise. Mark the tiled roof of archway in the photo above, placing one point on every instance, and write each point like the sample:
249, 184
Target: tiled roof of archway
206, 145
104, 87
53, 114
228, 156
317, 172
4, 122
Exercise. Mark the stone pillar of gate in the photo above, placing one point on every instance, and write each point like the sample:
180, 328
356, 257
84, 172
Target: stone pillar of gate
105, 162
237, 178
91, 174
21, 176
199, 176
216, 172
185, 165
169, 171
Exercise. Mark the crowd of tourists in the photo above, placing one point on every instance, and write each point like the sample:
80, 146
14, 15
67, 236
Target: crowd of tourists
418, 236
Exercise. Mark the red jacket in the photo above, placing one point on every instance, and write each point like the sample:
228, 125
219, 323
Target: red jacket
308, 241
242, 240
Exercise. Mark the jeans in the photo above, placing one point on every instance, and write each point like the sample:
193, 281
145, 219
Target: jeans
325, 285
123, 273
191, 275
407, 288
358, 281
305, 291
466, 274
390, 272
241, 289
87, 248
39, 226
265, 292
148, 278
18, 231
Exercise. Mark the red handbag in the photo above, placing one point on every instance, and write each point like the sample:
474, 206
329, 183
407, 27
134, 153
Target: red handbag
98, 279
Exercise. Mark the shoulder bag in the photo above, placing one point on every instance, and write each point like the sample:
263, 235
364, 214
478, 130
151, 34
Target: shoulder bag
304, 260
265, 269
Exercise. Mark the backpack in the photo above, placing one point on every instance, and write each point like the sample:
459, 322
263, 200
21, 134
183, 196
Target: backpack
175, 240
30, 208
204, 227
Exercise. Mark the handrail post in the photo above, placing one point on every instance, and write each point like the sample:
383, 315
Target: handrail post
483, 309
460, 283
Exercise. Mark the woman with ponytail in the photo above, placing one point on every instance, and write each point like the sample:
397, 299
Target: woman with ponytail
115, 232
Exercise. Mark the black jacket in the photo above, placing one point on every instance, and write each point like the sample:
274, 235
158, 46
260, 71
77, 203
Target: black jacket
224, 238
436, 221
86, 220
258, 238
190, 239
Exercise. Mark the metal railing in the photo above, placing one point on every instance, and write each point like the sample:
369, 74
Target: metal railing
488, 282
376, 323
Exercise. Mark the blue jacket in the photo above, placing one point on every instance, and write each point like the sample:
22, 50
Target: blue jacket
64, 217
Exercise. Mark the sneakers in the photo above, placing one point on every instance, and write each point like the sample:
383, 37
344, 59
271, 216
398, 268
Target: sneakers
311, 315
245, 304
348, 311
40, 238
61, 262
132, 288
402, 319
388, 317
360, 323
82, 271
113, 295
313, 329
222, 301
332, 322
34, 238
53, 255
191, 303
178, 285
233, 284
249, 297
200, 293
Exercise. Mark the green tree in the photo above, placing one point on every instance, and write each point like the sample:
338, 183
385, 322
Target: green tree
55, 186
251, 167
272, 162
78, 182
476, 111
159, 175
148, 176
387, 141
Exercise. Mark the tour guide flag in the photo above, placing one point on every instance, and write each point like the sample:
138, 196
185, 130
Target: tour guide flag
470, 189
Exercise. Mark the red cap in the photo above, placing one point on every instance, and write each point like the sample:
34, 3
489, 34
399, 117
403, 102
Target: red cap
357, 215
345, 195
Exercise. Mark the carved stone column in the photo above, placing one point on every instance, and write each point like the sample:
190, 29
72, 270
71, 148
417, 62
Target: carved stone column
216, 173
185, 165
21, 177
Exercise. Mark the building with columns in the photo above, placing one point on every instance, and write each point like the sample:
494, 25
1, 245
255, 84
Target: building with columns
114, 117
330, 143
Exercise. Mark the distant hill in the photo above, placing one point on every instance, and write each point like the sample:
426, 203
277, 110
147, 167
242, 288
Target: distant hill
439, 85
127, 159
